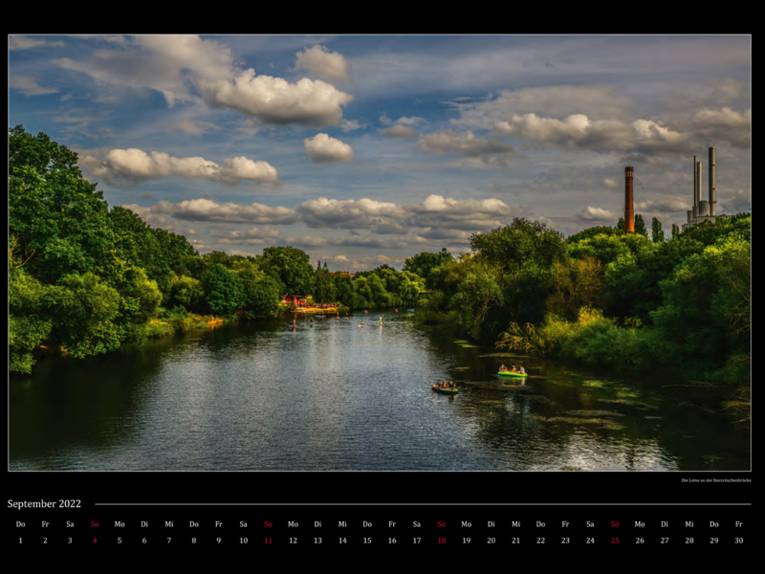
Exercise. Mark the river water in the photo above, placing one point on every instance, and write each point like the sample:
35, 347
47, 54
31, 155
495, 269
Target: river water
354, 394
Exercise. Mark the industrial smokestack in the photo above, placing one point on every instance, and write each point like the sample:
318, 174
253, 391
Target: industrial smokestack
629, 209
699, 183
695, 206
712, 181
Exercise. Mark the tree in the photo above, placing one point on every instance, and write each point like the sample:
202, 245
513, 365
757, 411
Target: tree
135, 242
85, 312
344, 289
593, 231
185, 291
424, 262
362, 293
657, 233
291, 266
640, 225
577, 283
381, 298
28, 323
706, 306
260, 292
324, 290
477, 294
410, 287
511, 246
59, 219
140, 295
223, 289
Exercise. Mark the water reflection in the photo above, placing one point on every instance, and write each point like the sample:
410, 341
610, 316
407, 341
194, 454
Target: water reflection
353, 393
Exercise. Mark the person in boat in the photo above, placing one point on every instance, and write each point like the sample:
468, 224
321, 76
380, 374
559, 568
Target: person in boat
522, 370
503, 367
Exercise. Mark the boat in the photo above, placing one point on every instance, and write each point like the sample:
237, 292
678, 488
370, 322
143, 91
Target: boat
444, 390
512, 374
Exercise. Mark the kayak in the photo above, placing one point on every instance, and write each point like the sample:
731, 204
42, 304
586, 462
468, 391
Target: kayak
443, 391
512, 374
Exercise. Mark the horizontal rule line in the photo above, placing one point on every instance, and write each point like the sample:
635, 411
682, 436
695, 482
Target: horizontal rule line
423, 504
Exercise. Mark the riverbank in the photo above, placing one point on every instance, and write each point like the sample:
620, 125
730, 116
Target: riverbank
603, 349
178, 323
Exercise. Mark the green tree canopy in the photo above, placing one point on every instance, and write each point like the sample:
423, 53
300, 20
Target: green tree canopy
59, 219
657, 233
223, 289
511, 246
290, 266
424, 262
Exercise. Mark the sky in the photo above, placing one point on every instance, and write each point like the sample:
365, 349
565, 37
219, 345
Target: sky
364, 150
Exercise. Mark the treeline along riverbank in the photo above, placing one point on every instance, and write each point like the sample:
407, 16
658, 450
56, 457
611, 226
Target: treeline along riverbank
85, 279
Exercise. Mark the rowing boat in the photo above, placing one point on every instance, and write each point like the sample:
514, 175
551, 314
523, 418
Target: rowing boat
512, 374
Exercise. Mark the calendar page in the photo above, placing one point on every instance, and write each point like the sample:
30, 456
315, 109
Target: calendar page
351, 290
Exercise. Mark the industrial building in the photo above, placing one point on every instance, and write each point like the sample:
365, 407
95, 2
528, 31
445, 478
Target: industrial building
703, 210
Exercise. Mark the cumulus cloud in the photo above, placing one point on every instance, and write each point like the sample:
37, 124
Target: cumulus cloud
28, 85
724, 124
610, 183
403, 127
400, 131
349, 213
322, 63
437, 211
557, 101
134, 164
593, 118
596, 214
371, 224
181, 67
463, 142
209, 210
322, 149
169, 64
253, 236
350, 125
277, 101
483, 151
639, 136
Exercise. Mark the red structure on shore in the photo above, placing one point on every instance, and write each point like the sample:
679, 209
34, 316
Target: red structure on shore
295, 300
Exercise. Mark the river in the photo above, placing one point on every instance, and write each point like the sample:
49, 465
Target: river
354, 394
